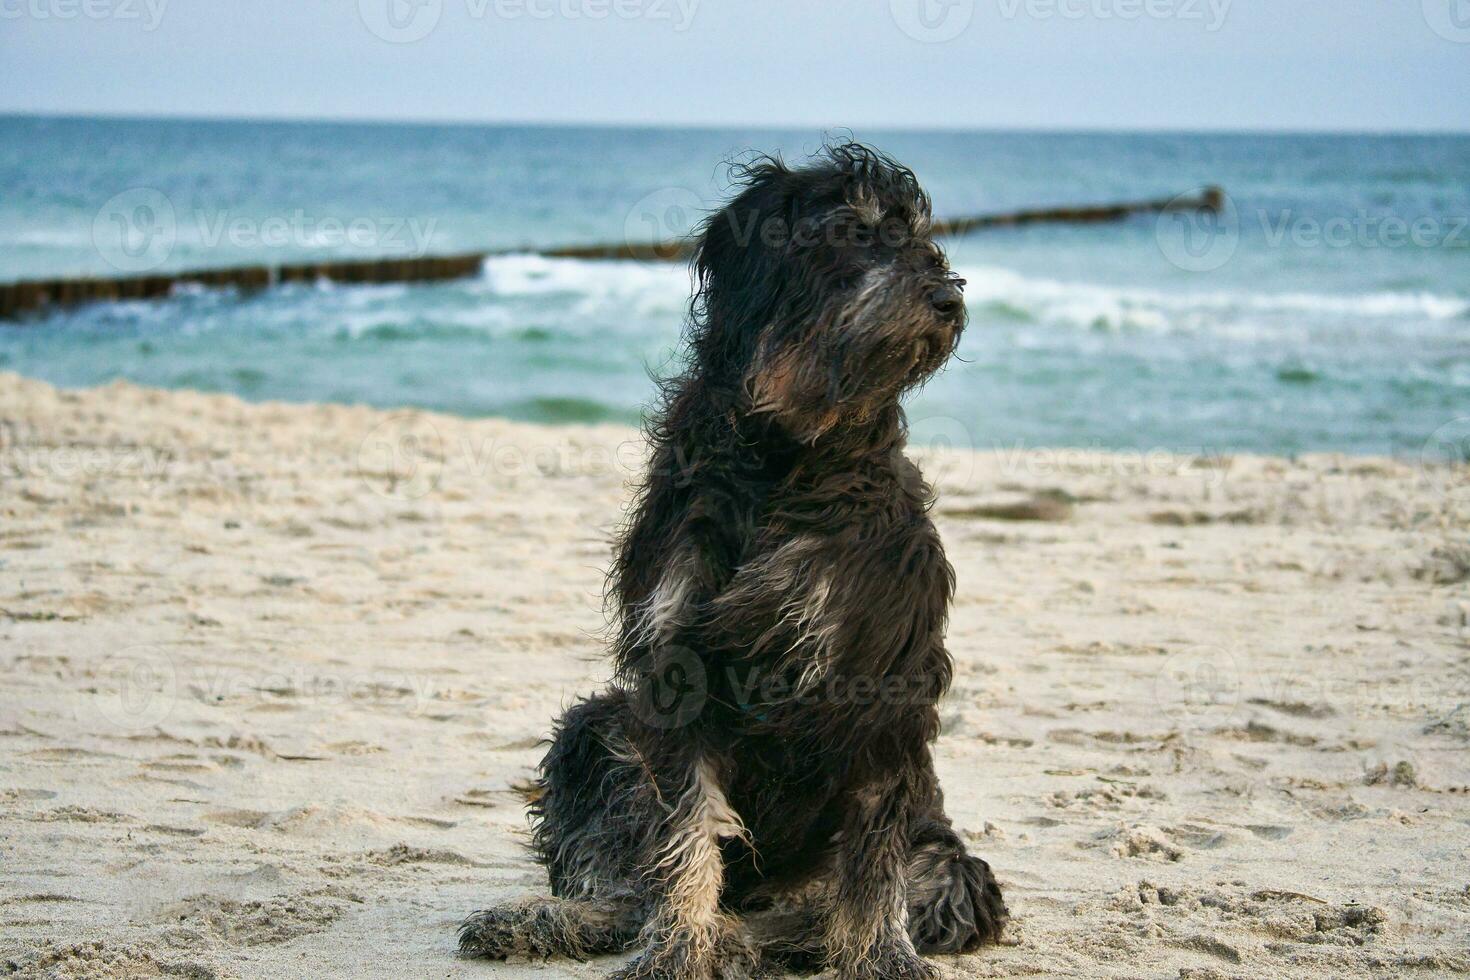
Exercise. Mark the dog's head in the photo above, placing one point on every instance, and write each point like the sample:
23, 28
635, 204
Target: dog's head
821, 296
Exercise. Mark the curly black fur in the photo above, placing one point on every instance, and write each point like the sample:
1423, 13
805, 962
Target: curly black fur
779, 598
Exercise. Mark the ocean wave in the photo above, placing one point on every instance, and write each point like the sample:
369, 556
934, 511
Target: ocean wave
1010, 295
529, 298
662, 290
79, 237
644, 287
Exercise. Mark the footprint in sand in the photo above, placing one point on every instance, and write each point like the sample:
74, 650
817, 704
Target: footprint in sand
405, 854
1285, 926
252, 923
253, 819
1146, 843
82, 814
69, 754
101, 959
314, 821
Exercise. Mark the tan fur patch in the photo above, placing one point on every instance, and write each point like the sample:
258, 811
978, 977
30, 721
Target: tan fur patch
664, 609
692, 867
866, 208
774, 387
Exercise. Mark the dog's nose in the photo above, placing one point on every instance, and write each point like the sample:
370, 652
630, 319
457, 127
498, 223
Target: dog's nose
947, 300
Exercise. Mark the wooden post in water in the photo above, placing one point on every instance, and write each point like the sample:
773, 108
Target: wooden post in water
29, 296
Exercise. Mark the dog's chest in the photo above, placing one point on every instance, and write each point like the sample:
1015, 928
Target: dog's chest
784, 796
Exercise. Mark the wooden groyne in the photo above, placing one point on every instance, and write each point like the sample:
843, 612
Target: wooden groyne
1210, 201
19, 298
29, 296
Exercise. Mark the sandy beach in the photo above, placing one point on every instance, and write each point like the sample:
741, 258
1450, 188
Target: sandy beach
272, 675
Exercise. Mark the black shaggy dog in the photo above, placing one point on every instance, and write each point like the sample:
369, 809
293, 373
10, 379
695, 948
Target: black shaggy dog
755, 789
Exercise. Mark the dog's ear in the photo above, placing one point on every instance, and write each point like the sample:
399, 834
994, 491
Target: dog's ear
734, 249
738, 263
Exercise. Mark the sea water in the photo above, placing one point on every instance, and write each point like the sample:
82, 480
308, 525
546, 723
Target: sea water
1328, 307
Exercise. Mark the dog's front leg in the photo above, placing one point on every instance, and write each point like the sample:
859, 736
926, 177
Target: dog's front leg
867, 932
688, 935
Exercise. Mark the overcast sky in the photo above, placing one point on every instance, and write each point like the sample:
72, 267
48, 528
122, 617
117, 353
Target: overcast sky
1197, 64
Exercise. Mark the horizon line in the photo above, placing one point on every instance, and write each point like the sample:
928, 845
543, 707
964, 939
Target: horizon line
308, 120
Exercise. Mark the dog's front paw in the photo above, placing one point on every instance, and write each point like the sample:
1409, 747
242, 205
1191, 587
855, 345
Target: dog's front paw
492, 934
539, 928
728, 957
640, 967
890, 961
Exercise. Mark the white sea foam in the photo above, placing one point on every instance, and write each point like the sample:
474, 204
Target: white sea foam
643, 287
48, 238
1097, 306
658, 289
